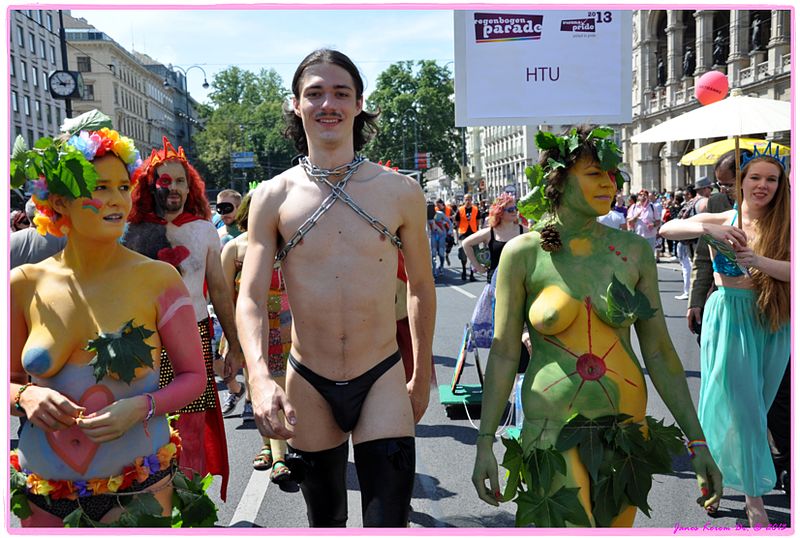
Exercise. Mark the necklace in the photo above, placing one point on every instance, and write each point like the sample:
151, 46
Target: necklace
318, 173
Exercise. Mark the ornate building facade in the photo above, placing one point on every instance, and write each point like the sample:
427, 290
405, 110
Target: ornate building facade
671, 50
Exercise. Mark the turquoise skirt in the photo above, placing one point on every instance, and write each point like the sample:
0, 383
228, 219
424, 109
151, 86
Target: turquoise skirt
741, 366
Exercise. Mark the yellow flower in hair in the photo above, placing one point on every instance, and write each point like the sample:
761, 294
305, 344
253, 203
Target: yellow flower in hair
42, 223
114, 483
109, 133
125, 149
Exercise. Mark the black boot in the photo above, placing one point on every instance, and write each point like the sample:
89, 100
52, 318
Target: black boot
472, 276
464, 273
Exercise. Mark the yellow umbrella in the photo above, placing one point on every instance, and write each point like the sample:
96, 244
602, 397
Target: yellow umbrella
710, 153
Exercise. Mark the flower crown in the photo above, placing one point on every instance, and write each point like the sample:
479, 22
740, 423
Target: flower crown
766, 153
535, 204
62, 165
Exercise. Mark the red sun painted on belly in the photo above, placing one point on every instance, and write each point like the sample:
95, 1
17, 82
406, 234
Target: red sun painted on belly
589, 366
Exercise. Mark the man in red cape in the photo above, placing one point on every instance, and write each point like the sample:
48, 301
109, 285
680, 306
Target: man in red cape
170, 222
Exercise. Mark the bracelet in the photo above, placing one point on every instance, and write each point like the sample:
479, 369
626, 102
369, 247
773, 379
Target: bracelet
691, 445
151, 406
22, 389
493, 436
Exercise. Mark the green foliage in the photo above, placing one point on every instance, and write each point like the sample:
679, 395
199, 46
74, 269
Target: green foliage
534, 205
415, 97
121, 352
192, 506
19, 501
618, 457
67, 171
88, 121
245, 114
624, 307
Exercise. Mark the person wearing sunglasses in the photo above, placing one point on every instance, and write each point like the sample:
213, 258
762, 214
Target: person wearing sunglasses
228, 202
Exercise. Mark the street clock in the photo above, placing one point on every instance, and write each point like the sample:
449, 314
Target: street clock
66, 84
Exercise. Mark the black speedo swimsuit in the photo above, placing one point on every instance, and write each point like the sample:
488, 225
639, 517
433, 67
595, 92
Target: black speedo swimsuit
346, 398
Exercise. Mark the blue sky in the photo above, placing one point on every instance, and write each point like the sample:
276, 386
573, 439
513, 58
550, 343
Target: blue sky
277, 38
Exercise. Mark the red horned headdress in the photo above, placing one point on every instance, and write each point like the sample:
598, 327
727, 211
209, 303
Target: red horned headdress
145, 178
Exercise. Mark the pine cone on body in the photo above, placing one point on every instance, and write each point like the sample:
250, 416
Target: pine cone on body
550, 238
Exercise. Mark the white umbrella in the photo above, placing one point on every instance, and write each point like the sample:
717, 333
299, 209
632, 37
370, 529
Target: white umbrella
734, 116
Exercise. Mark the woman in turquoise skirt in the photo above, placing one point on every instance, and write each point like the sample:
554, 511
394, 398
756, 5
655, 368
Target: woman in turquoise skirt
745, 345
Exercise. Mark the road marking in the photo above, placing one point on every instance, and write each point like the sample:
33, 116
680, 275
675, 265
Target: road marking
250, 502
459, 290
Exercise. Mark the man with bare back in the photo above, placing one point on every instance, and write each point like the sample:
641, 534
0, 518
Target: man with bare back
336, 221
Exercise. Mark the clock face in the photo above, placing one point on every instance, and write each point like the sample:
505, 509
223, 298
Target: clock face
62, 83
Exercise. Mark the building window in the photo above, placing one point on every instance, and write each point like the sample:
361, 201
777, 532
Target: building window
49, 115
14, 101
24, 68
35, 77
44, 82
39, 16
20, 37
12, 70
49, 19
26, 104
52, 54
32, 42
42, 49
88, 92
84, 64
116, 94
30, 138
38, 107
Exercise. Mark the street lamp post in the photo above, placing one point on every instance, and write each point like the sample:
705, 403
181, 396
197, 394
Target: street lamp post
186, 94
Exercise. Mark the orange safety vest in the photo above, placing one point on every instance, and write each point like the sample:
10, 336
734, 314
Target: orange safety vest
473, 219
448, 211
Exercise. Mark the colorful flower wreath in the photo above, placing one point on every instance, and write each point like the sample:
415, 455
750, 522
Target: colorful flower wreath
139, 472
63, 165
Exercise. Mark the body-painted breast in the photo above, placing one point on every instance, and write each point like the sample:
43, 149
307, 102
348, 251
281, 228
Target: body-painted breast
584, 368
553, 310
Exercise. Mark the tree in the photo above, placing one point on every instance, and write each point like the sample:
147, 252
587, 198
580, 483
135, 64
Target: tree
245, 114
406, 96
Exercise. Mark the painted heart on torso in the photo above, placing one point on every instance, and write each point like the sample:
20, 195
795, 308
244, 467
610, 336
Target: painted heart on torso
72, 445
173, 255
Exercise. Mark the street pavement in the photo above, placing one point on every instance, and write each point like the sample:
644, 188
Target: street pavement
443, 493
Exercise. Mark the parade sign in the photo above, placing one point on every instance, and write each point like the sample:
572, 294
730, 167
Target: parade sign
544, 66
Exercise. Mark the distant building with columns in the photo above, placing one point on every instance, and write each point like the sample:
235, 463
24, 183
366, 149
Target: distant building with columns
751, 46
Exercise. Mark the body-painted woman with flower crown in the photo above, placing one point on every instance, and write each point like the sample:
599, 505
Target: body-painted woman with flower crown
87, 327
587, 451
746, 340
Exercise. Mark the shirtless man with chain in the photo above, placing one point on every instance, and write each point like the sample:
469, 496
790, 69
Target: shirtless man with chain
336, 222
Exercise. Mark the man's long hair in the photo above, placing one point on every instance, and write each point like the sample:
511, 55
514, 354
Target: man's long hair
143, 199
364, 125
773, 231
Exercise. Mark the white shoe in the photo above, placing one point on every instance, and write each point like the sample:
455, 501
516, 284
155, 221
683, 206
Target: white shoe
682, 296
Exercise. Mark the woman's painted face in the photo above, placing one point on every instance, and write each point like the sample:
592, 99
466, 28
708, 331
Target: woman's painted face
104, 214
760, 183
588, 188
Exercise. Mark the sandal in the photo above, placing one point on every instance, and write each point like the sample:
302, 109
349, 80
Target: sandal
280, 472
263, 459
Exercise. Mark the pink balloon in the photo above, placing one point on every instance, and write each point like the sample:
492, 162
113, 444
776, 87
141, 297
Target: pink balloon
711, 87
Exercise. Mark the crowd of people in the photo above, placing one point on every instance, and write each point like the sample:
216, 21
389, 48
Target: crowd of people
130, 296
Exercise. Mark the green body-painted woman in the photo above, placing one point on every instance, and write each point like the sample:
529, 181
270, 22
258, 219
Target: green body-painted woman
585, 439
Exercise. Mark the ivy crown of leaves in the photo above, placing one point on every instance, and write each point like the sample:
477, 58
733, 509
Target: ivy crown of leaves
535, 204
